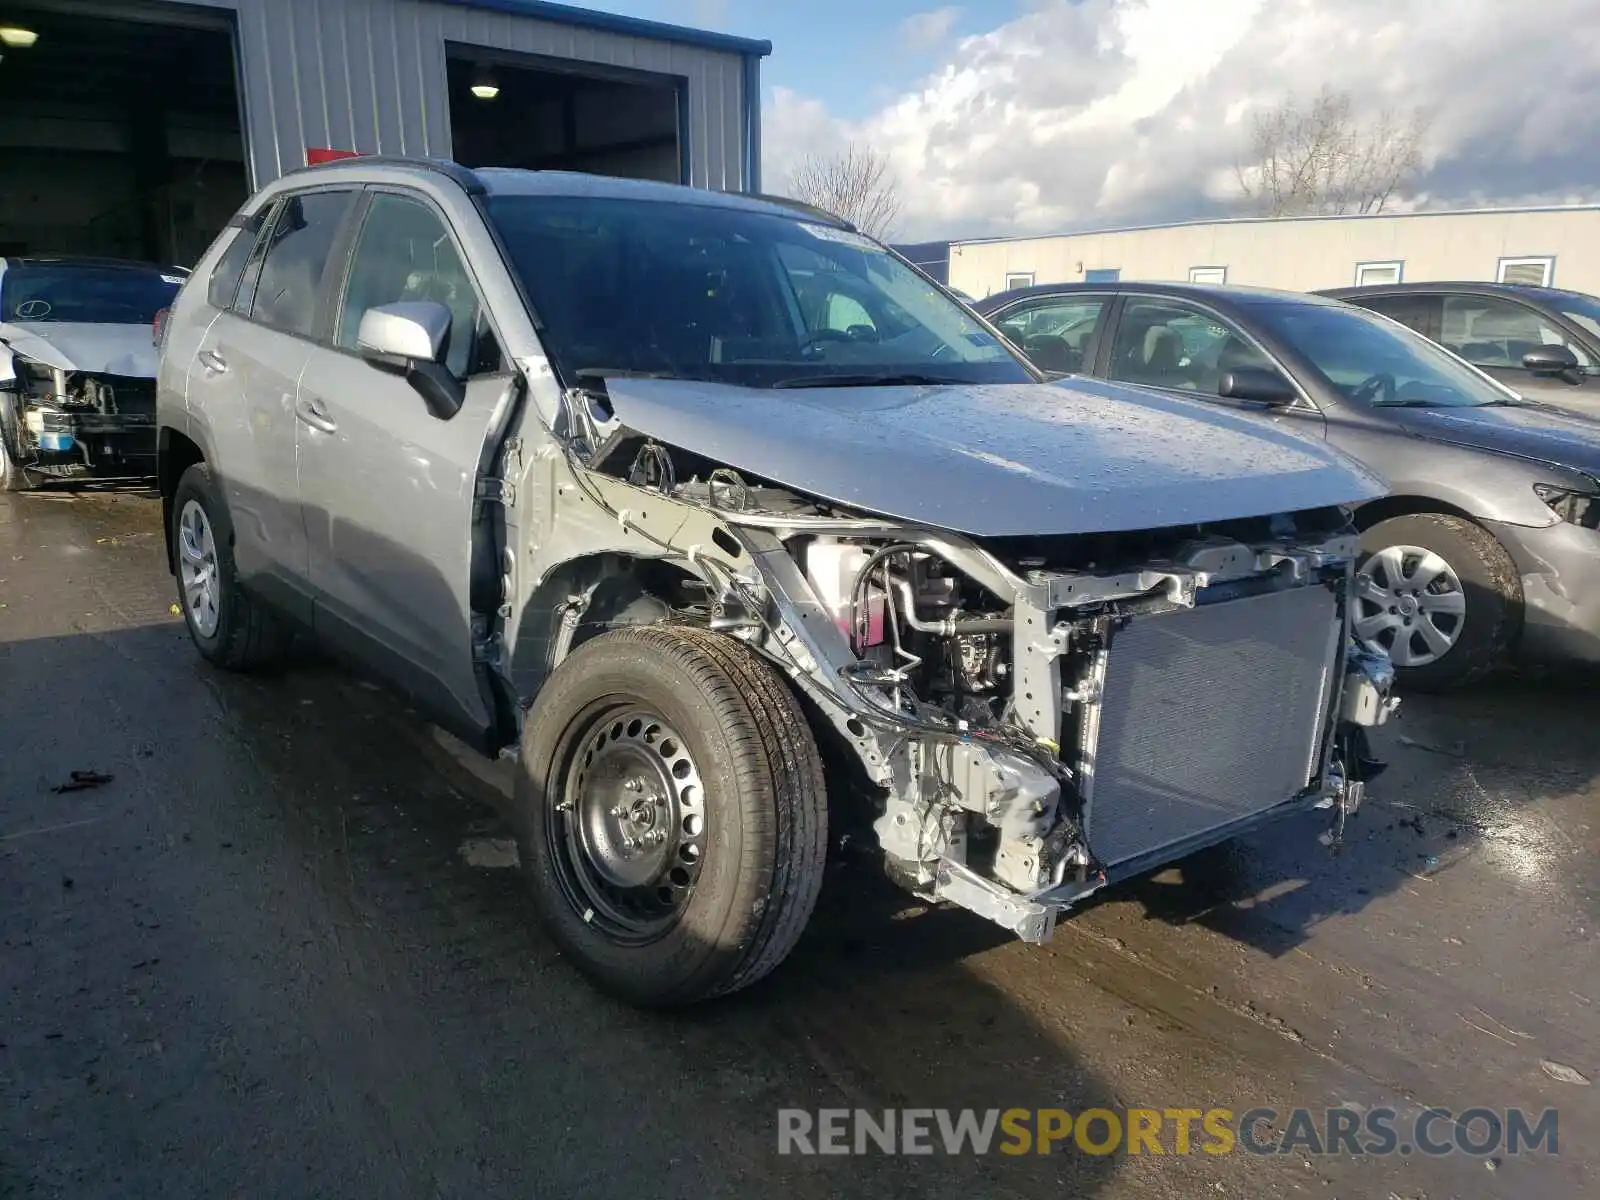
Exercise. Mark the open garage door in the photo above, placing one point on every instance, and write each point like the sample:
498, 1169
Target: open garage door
119, 129
519, 111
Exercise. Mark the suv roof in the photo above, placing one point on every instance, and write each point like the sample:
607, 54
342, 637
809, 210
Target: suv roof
514, 181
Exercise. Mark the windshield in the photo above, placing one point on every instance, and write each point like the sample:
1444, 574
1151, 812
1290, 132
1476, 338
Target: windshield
90, 293
695, 291
1370, 360
1584, 310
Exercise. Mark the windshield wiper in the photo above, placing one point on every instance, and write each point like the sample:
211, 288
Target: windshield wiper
618, 373
903, 380
1411, 402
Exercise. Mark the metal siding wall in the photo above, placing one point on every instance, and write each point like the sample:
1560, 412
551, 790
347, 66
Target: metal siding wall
369, 75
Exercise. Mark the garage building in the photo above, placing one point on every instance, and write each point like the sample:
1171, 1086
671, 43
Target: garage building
1553, 246
135, 128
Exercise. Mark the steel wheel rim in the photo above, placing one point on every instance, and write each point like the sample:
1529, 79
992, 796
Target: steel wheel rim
197, 568
629, 834
1410, 604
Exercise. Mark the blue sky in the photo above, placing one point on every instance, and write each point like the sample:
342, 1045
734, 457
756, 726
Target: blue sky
1027, 116
853, 55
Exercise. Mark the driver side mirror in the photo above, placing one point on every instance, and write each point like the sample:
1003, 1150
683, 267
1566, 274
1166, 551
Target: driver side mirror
1258, 385
411, 338
1550, 360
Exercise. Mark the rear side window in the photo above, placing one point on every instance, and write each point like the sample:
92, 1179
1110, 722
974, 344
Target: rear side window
225, 276
1414, 312
294, 261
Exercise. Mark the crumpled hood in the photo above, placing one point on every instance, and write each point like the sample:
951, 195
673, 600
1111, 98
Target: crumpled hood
101, 349
1000, 460
1531, 431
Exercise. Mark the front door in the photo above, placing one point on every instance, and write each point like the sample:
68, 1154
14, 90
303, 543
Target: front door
388, 489
1182, 348
1493, 333
244, 379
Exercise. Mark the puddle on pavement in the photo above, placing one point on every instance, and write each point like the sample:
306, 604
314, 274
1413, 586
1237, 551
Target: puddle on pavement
490, 853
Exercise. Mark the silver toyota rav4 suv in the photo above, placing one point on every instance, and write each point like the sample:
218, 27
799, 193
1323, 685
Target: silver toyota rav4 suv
733, 529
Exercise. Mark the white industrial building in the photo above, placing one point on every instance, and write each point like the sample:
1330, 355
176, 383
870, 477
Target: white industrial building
1558, 247
134, 128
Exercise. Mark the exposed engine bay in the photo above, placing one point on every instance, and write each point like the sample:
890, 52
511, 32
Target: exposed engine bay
1037, 716
66, 423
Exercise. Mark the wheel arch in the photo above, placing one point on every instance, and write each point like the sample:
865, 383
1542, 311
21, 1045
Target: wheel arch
601, 591
175, 453
1407, 505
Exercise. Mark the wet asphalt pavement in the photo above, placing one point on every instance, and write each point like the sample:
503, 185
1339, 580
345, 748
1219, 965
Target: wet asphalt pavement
280, 954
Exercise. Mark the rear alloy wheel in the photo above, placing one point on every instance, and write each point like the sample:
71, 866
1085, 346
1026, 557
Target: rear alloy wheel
1437, 594
672, 812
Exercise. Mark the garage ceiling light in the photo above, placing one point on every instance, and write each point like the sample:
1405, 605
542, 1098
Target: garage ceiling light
484, 86
17, 37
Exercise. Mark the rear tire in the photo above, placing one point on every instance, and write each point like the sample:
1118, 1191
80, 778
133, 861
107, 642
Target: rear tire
1460, 624
229, 627
677, 730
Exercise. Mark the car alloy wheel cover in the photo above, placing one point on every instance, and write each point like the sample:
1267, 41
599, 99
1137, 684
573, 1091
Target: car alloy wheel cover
1409, 604
629, 835
197, 568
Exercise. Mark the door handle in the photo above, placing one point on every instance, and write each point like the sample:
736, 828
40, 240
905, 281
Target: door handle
314, 415
213, 362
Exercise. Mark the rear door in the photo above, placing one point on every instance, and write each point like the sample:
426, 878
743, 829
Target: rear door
1057, 333
242, 389
388, 489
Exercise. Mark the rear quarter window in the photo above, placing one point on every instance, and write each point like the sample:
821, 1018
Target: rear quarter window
224, 283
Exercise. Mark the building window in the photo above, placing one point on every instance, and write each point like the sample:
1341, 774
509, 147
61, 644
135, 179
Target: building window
1102, 275
1208, 274
1018, 279
1369, 273
1539, 270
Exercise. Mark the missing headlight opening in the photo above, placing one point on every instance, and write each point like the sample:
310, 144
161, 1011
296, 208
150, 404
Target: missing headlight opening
1037, 716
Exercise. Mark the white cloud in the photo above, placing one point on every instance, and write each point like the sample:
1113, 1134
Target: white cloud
928, 30
1095, 112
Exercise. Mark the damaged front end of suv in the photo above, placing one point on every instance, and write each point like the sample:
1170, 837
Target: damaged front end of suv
1048, 674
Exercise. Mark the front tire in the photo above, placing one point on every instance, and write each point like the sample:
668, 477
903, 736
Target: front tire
13, 478
673, 813
1440, 596
230, 628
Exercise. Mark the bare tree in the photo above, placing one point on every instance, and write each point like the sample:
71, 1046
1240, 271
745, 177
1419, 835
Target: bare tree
857, 185
1325, 158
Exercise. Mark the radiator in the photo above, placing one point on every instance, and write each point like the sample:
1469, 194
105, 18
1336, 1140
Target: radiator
1209, 715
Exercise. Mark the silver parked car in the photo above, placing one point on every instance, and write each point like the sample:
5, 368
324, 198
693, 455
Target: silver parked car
734, 529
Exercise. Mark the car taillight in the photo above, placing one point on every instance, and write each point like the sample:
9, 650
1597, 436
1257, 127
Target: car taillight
158, 328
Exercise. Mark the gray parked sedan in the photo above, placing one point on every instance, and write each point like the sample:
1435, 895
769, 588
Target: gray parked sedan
1489, 544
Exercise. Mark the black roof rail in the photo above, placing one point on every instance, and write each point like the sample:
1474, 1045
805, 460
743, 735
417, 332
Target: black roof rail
464, 177
802, 206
